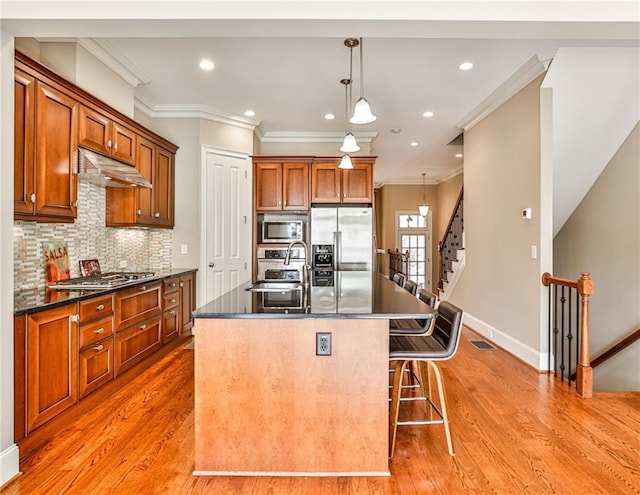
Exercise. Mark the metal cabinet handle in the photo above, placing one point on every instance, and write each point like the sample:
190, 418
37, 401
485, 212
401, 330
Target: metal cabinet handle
109, 143
144, 287
143, 326
172, 312
33, 197
172, 284
172, 301
98, 348
181, 284
139, 212
115, 146
99, 331
99, 307
157, 214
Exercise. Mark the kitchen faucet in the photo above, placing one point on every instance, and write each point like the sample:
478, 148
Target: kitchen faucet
307, 268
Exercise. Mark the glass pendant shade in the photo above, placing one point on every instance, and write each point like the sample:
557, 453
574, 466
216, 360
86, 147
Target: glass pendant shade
362, 113
346, 163
349, 145
423, 210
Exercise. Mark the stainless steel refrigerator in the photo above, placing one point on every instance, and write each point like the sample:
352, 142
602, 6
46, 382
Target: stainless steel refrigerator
349, 230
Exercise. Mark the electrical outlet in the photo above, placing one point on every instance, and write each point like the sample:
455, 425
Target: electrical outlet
123, 263
323, 343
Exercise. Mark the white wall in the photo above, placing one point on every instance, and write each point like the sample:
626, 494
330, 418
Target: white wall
500, 286
602, 236
8, 450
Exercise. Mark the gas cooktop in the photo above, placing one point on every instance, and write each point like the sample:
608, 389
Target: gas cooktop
101, 281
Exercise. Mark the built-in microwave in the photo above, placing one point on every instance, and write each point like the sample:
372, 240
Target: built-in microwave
282, 231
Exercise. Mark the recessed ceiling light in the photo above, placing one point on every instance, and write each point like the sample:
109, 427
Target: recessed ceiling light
427, 114
329, 116
458, 155
206, 64
396, 130
249, 113
465, 66
414, 143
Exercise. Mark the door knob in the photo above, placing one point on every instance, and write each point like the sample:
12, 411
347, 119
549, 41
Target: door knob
211, 264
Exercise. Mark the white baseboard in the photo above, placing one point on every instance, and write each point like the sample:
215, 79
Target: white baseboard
522, 351
9, 463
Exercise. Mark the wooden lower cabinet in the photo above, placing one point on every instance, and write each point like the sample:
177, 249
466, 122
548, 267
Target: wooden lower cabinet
170, 324
96, 366
136, 343
137, 304
51, 364
187, 301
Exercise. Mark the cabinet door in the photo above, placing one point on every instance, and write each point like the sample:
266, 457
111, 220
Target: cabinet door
23, 158
94, 131
56, 148
187, 301
145, 160
325, 183
268, 187
96, 366
137, 304
123, 144
51, 364
170, 324
163, 188
295, 186
357, 184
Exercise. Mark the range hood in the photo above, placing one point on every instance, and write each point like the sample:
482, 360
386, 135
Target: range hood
107, 172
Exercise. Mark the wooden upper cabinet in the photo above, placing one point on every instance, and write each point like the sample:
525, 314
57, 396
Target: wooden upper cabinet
281, 185
45, 144
103, 135
141, 206
329, 184
23, 157
56, 150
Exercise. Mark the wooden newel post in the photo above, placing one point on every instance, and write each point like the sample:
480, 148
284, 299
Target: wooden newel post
584, 372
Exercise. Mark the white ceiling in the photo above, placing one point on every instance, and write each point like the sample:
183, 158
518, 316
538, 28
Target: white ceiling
289, 71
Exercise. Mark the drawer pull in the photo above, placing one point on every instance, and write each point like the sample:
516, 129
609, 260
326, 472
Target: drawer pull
144, 287
172, 301
143, 326
181, 284
172, 312
98, 348
99, 307
99, 331
172, 284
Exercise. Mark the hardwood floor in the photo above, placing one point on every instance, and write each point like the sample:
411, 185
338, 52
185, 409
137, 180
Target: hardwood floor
514, 431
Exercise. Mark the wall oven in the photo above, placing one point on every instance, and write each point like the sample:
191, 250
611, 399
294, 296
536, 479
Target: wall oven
270, 260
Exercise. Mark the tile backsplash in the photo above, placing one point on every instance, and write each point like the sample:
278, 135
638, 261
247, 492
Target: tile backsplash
142, 249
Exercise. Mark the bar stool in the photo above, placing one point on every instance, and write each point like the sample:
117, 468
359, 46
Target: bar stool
411, 287
415, 327
426, 350
399, 279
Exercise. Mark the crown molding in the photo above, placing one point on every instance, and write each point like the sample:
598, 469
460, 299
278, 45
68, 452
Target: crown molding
106, 53
412, 182
531, 69
313, 137
191, 111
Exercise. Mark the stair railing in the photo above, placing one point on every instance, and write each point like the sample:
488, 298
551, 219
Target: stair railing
451, 240
567, 316
614, 349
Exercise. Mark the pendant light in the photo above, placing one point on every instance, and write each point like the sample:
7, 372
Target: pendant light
346, 163
362, 113
423, 209
349, 144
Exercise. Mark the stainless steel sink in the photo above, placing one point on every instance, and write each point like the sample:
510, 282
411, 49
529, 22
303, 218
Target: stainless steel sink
274, 287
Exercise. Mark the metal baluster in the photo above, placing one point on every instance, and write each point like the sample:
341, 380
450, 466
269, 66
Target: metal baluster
563, 300
549, 309
555, 329
569, 338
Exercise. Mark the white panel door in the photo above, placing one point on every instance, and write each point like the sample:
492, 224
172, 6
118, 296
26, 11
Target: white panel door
226, 221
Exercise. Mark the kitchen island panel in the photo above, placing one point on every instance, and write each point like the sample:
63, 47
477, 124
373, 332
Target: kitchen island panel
267, 404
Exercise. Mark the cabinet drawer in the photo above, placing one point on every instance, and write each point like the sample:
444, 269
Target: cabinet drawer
170, 284
137, 304
171, 300
95, 366
95, 307
95, 331
136, 343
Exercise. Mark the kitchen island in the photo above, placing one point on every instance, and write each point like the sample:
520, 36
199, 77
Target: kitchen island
268, 402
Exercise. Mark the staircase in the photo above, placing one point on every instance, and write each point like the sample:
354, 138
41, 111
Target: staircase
452, 253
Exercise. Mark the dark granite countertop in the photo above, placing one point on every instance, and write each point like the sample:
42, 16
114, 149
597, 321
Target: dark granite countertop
34, 300
354, 294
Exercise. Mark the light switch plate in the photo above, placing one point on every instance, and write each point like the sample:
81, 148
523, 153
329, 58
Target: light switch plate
184, 249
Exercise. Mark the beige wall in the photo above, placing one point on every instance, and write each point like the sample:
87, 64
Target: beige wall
500, 286
305, 149
602, 236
